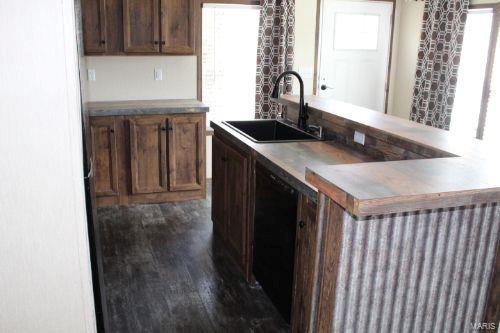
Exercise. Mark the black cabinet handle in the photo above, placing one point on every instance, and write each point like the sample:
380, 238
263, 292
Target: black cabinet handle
103, 41
156, 42
163, 128
302, 224
170, 129
162, 42
111, 131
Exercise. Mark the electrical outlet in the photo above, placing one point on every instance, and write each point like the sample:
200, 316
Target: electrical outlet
158, 74
91, 74
359, 137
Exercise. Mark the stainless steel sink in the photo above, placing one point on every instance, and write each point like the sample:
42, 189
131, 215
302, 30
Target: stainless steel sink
266, 131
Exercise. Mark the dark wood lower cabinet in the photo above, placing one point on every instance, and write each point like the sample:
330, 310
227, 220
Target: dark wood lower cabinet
236, 189
219, 187
230, 198
148, 154
304, 268
232, 215
185, 142
148, 159
104, 156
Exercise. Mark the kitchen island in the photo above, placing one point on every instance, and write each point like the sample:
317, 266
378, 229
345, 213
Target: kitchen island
400, 236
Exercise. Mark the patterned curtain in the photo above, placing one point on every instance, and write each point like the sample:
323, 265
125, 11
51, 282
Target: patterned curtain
438, 61
274, 53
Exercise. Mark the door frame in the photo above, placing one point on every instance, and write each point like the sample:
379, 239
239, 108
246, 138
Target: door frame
319, 17
495, 27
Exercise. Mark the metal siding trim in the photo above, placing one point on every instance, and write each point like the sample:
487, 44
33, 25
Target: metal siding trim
413, 272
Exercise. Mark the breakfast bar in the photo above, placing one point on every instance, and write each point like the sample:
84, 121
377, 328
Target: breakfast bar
397, 232
405, 245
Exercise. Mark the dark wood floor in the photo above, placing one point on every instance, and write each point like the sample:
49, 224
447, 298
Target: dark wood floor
164, 273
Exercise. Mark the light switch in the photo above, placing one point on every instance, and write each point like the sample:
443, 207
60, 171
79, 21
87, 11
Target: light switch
359, 137
158, 74
91, 74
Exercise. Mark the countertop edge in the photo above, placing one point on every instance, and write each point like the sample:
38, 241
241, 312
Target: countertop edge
152, 107
403, 203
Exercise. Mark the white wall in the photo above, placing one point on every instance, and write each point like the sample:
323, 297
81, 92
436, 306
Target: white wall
305, 43
405, 50
45, 280
132, 77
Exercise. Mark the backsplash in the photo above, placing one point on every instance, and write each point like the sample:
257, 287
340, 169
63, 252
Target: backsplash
377, 145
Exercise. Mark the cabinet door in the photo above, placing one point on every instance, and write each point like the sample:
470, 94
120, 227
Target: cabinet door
104, 158
236, 200
185, 160
141, 26
219, 186
94, 26
114, 27
177, 26
305, 252
148, 154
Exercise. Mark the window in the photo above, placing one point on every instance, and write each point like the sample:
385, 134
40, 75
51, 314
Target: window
475, 111
229, 44
356, 31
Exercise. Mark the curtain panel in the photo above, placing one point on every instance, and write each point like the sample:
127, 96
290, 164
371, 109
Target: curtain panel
438, 60
274, 53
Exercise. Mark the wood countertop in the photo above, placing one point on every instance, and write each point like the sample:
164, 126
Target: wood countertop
144, 107
472, 177
290, 159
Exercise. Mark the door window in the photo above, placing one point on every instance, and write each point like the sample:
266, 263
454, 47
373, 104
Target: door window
356, 32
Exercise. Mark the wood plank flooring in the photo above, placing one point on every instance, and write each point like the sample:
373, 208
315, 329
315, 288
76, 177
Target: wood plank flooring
163, 272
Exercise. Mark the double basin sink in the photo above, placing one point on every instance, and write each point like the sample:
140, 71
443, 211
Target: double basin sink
267, 131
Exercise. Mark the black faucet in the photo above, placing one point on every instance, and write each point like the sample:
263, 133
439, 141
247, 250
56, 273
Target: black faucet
302, 122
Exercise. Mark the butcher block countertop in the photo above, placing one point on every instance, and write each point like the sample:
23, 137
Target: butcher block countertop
470, 176
145, 107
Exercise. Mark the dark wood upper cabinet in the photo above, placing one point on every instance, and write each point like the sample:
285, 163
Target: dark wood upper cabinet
138, 26
94, 26
219, 186
185, 160
177, 26
104, 156
141, 28
114, 27
148, 154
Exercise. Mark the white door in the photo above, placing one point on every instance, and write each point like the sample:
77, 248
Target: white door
354, 52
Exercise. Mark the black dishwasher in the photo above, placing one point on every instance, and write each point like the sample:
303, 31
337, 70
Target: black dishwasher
274, 238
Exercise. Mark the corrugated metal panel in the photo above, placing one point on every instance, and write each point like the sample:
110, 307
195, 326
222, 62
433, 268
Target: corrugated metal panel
416, 272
